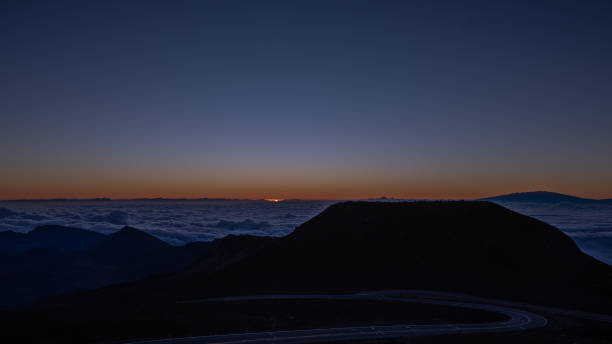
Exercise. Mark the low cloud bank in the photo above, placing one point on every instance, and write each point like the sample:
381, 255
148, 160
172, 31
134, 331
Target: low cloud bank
177, 222
115, 217
246, 224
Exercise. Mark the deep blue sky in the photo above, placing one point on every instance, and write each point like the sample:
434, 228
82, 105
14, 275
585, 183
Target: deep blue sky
309, 99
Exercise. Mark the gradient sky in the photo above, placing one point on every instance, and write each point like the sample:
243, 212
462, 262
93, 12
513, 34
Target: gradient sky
307, 99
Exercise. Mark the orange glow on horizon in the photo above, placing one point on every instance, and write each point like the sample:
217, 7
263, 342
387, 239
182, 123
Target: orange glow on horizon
286, 186
331, 196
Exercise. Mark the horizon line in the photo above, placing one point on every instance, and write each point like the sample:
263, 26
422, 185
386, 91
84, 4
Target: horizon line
106, 199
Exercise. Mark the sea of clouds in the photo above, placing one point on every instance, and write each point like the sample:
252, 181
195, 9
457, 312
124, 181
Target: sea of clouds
179, 222
588, 223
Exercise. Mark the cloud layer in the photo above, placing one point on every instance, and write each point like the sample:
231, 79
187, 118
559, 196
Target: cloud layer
177, 222
180, 222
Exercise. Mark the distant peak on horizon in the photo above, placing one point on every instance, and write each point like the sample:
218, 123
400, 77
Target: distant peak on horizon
540, 196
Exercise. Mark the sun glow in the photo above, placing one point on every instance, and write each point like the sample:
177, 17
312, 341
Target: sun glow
274, 200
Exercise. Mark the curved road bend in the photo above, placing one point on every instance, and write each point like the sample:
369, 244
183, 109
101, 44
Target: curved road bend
519, 320
477, 299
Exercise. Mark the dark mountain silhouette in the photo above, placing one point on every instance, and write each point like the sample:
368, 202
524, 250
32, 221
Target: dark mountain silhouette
473, 247
52, 259
11, 241
49, 236
542, 197
130, 239
227, 250
212, 257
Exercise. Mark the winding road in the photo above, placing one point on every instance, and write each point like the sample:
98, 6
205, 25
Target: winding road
518, 320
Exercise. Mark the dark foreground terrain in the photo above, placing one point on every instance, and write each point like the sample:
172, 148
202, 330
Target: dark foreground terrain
51, 260
475, 248
189, 319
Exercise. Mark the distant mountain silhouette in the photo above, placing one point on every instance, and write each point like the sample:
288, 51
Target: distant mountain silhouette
130, 239
49, 236
542, 197
53, 259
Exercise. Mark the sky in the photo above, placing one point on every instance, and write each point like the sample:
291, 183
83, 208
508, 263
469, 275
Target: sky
305, 99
